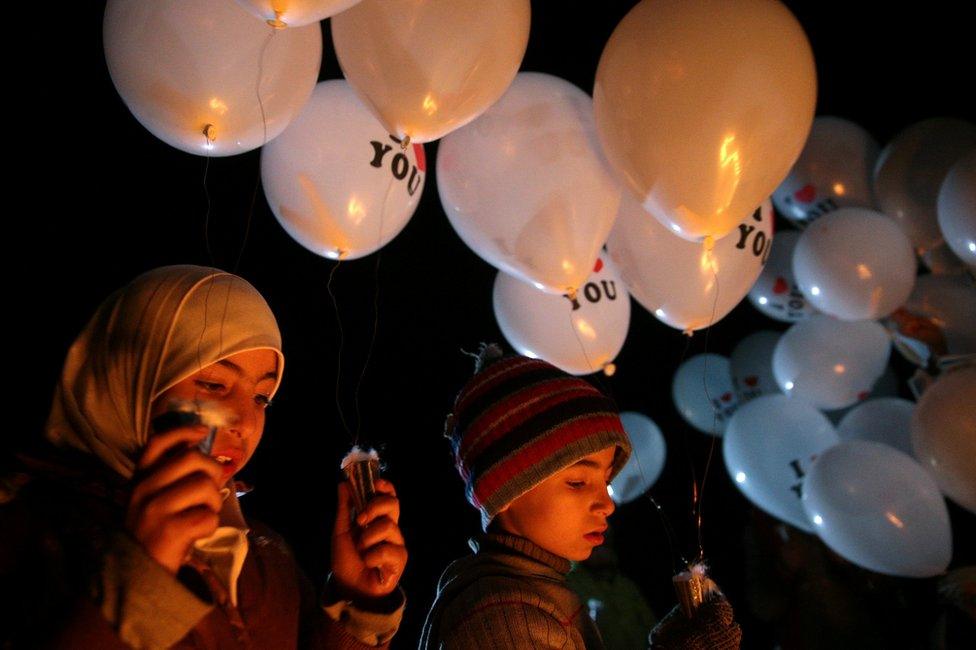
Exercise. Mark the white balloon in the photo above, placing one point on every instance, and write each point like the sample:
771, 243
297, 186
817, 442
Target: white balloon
833, 171
703, 106
752, 365
887, 420
855, 264
937, 319
525, 185
645, 463
944, 434
776, 293
703, 393
336, 181
295, 13
681, 283
205, 76
956, 209
878, 508
910, 172
829, 362
579, 336
428, 67
768, 448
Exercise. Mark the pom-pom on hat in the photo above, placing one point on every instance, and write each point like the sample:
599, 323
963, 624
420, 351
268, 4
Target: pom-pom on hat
518, 421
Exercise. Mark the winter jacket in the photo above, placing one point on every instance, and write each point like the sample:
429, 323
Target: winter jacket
81, 581
510, 594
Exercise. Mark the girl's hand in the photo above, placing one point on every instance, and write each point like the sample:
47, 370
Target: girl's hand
176, 496
368, 555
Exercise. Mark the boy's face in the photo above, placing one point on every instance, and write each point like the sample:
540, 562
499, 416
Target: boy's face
567, 513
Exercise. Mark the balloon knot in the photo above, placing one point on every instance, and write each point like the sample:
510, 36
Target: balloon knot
709, 242
405, 143
277, 22
688, 332
609, 369
210, 133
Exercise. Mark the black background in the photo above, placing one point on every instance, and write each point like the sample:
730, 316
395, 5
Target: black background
102, 200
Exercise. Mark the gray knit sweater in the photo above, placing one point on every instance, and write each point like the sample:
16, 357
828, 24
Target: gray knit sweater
509, 594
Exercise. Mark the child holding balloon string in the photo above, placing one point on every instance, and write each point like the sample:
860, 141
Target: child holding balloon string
537, 449
119, 532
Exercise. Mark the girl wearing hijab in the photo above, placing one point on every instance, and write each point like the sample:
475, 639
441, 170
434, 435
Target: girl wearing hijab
119, 535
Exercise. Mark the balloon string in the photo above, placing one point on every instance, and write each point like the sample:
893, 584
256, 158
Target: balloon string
372, 342
572, 326
699, 495
264, 139
669, 534
376, 310
335, 305
206, 214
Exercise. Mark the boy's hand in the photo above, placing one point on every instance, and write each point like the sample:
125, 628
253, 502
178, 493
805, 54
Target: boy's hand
176, 496
712, 628
368, 555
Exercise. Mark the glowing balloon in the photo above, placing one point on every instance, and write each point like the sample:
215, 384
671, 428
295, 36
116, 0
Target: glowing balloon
703, 106
646, 461
830, 363
768, 448
205, 76
956, 207
579, 335
683, 284
878, 508
855, 264
338, 184
752, 365
833, 171
944, 434
427, 67
910, 172
525, 185
295, 13
776, 293
703, 393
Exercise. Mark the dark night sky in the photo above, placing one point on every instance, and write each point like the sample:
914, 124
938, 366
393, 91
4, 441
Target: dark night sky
108, 201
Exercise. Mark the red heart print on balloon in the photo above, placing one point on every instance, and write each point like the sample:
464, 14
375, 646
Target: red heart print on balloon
418, 153
806, 194
751, 380
781, 285
598, 265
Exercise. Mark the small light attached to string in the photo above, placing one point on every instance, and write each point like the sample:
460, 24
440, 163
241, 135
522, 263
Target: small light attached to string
277, 22
210, 133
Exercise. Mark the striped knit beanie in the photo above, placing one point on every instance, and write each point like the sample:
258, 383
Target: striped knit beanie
518, 421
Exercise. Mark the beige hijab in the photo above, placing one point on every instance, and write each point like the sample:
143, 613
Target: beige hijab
162, 327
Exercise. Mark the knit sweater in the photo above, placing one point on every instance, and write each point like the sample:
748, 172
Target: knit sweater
510, 594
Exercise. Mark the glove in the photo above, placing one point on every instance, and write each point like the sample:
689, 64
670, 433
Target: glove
712, 628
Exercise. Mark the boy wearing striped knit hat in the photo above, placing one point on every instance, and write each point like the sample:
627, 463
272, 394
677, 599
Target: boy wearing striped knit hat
536, 449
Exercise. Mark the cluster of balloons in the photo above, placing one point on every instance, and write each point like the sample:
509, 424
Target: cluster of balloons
688, 131
531, 170
872, 486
